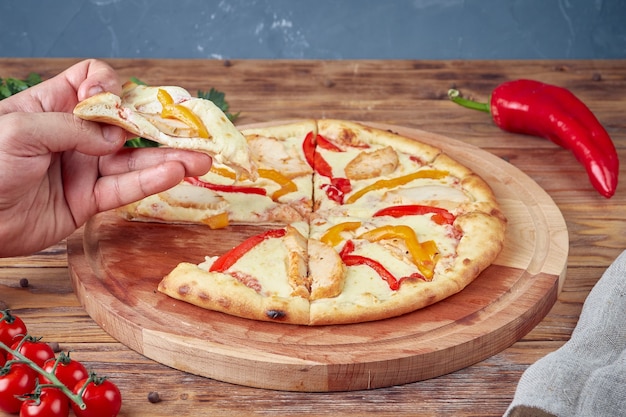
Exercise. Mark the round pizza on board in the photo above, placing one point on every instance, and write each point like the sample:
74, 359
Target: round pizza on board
360, 224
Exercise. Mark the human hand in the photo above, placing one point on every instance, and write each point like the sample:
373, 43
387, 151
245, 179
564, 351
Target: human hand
56, 170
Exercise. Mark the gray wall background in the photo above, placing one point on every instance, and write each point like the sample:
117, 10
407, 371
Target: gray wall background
319, 29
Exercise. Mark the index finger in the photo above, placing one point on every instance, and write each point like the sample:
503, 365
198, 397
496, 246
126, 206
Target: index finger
62, 92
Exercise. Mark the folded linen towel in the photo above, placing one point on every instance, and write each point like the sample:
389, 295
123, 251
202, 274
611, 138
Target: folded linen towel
586, 377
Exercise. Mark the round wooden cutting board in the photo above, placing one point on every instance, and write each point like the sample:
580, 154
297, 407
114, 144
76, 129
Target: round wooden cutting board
116, 265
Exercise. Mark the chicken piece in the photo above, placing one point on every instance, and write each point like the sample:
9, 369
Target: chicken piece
296, 245
372, 164
170, 127
326, 270
189, 196
270, 153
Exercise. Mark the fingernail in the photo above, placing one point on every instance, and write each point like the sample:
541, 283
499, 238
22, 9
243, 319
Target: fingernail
113, 134
96, 89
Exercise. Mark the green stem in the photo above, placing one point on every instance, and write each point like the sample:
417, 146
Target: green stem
7, 316
455, 96
48, 375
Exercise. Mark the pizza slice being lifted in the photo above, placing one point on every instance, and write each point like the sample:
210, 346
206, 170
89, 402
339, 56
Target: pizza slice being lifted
170, 116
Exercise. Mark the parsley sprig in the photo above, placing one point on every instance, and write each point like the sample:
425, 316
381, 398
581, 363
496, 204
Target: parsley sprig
10, 86
219, 99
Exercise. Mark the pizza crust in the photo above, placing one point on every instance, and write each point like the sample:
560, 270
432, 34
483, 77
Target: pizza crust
221, 292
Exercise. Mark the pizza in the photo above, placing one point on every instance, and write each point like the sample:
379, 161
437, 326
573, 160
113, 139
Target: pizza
170, 116
351, 223
356, 224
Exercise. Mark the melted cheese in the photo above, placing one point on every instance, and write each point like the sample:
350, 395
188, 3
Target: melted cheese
267, 263
364, 283
261, 263
156, 207
425, 192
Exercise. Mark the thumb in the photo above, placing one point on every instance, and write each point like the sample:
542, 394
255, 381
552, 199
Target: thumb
39, 133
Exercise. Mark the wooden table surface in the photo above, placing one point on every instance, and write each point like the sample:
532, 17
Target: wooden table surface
405, 93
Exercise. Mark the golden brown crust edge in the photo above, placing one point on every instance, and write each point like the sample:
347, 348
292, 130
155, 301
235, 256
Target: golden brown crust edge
219, 292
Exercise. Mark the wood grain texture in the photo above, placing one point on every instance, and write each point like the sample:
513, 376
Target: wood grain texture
116, 266
404, 93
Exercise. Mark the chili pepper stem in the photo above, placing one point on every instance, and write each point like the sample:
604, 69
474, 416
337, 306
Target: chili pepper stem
455, 96
48, 375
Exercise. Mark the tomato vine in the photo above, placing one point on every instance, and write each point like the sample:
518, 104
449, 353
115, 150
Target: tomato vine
31, 375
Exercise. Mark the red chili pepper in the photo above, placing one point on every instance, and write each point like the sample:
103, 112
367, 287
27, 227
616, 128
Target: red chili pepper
552, 112
226, 188
440, 215
227, 260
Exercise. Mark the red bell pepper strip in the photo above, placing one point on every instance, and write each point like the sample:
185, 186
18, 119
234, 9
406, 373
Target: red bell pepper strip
338, 187
347, 249
440, 215
535, 108
355, 260
324, 143
226, 188
228, 259
314, 159
423, 256
352, 260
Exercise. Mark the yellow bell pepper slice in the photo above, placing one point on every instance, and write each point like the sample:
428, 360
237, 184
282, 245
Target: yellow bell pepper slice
422, 254
219, 221
223, 172
396, 182
286, 185
176, 111
332, 236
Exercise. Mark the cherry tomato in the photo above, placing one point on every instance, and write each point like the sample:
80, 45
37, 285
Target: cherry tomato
12, 328
101, 396
38, 352
51, 403
18, 381
3, 358
68, 371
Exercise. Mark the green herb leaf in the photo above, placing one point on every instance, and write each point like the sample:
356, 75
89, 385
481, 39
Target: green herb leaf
219, 99
137, 81
10, 86
140, 143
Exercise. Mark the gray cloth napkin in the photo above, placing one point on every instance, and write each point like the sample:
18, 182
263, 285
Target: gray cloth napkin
586, 377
